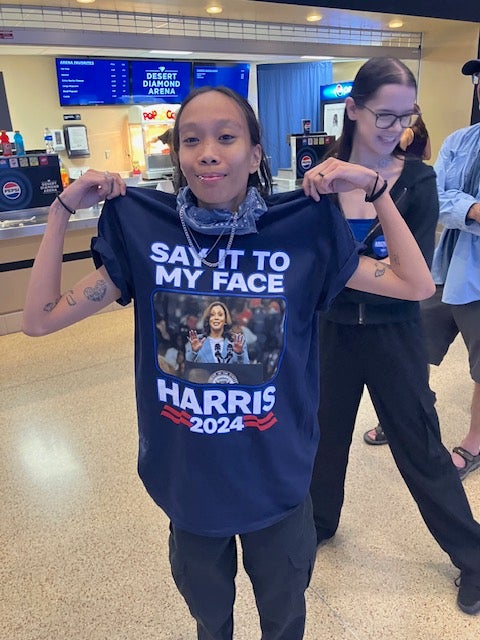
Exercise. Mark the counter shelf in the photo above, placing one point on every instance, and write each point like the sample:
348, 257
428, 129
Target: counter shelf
32, 222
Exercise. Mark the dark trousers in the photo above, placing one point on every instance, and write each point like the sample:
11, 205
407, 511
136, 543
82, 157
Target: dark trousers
441, 324
390, 359
279, 561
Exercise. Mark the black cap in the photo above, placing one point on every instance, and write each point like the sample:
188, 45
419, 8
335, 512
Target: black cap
471, 67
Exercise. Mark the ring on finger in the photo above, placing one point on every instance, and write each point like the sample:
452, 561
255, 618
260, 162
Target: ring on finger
111, 181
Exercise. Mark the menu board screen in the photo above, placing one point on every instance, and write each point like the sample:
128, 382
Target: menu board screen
234, 76
155, 81
92, 81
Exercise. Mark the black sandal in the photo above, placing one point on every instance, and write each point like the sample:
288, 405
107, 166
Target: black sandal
472, 462
380, 437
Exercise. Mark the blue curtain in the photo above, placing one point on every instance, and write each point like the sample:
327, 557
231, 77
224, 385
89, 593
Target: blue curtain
287, 93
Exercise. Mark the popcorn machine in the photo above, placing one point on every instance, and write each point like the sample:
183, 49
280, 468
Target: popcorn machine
149, 155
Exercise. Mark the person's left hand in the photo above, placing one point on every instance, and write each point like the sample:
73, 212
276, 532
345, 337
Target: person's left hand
238, 342
336, 176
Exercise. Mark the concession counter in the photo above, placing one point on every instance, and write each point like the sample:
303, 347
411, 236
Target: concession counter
20, 235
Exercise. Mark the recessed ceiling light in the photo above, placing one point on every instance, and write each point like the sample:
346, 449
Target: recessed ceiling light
214, 8
314, 17
316, 57
166, 52
396, 23
85, 1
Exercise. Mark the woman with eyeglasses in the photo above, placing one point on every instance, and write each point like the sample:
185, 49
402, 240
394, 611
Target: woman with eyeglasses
376, 342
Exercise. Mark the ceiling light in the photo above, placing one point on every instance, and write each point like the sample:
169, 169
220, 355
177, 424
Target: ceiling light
396, 23
166, 52
214, 9
316, 57
314, 17
85, 1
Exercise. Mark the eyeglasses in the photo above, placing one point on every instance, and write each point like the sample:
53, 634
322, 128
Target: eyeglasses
387, 120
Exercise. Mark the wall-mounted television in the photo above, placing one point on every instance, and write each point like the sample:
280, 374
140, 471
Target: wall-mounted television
160, 81
235, 76
92, 81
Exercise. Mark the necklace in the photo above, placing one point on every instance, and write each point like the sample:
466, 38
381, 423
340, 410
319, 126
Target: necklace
384, 162
381, 163
195, 247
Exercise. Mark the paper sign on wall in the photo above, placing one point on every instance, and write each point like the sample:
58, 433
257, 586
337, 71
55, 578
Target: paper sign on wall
76, 140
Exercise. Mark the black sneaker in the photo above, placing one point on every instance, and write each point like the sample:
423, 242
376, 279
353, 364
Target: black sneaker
468, 598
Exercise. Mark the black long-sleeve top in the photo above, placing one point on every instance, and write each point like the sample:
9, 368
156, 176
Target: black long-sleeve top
415, 195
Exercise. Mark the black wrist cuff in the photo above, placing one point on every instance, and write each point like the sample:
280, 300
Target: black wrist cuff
374, 195
70, 211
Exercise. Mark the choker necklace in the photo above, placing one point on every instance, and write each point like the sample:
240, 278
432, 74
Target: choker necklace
378, 166
195, 247
384, 162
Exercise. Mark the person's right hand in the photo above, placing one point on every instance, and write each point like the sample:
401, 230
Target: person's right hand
93, 187
195, 342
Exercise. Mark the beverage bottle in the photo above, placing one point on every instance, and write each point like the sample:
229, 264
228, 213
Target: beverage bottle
48, 140
6, 144
19, 144
64, 174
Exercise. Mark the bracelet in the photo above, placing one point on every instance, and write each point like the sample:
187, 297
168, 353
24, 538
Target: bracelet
70, 211
373, 196
374, 185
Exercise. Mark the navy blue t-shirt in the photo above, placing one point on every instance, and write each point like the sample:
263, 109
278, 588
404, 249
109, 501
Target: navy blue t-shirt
227, 448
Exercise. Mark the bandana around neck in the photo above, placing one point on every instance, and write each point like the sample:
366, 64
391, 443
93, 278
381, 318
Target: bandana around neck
212, 221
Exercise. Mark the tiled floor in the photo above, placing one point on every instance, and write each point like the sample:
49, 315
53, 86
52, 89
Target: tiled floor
83, 549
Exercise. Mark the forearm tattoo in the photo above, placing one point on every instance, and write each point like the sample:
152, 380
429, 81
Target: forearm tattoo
97, 292
394, 259
69, 297
380, 269
50, 306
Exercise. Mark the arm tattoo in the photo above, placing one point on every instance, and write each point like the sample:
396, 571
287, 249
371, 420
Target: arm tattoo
96, 293
50, 306
395, 259
379, 270
70, 298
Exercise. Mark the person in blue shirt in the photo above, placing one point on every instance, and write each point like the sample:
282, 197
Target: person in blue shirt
219, 342
455, 308
227, 461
